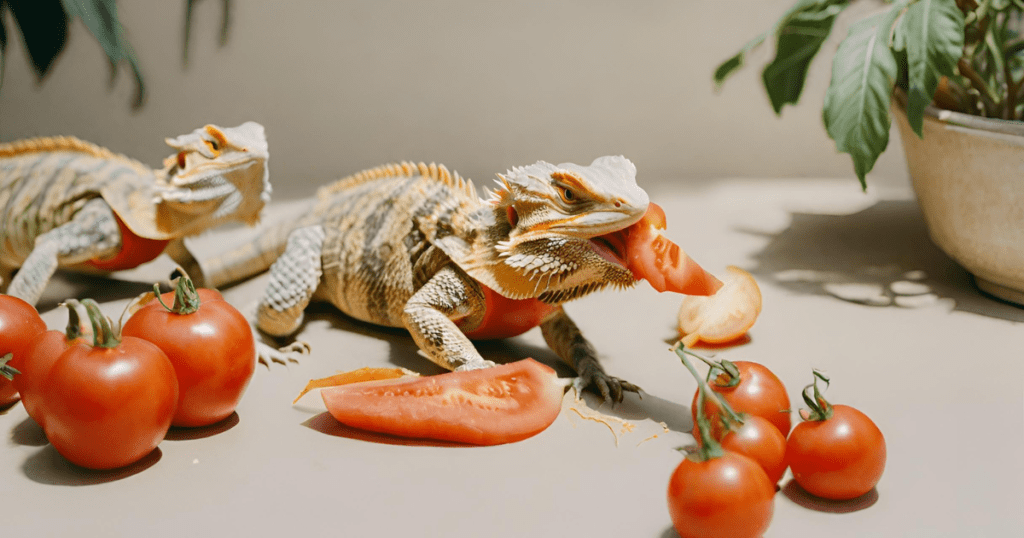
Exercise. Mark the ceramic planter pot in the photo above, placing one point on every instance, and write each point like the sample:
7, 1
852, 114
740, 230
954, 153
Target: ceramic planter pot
968, 174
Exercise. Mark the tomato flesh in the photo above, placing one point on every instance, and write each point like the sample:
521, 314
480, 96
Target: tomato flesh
651, 256
490, 406
726, 497
20, 324
838, 458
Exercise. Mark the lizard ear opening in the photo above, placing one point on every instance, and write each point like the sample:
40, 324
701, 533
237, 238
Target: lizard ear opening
513, 216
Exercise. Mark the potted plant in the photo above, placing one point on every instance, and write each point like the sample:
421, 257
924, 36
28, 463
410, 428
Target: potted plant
952, 74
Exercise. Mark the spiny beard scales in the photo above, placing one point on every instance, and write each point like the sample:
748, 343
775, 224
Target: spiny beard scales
563, 269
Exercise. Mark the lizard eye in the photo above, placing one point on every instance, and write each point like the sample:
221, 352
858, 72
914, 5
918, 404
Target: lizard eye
567, 195
213, 145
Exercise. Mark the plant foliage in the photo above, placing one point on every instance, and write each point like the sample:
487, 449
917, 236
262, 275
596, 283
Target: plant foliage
963, 55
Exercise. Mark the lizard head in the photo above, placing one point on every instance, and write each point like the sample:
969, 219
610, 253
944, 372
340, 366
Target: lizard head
555, 217
217, 174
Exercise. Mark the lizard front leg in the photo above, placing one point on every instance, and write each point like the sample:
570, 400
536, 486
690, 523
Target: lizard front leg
178, 251
430, 316
565, 339
294, 278
91, 233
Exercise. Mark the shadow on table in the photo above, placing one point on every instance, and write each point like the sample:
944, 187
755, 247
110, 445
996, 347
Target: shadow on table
47, 466
873, 248
101, 288
798, 495
28, 433
178, 433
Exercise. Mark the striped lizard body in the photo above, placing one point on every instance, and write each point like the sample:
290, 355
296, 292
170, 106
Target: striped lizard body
413, 246
69, 203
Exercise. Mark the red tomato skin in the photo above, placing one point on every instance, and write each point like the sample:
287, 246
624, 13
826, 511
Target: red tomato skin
840, 458
760, 441
20, 324
759, 392
34, 363
135, 251
726, 497
212, 350
505, 318
490, 406
109, 407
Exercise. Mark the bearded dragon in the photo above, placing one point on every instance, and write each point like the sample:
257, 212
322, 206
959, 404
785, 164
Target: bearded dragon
414, 246
69, 203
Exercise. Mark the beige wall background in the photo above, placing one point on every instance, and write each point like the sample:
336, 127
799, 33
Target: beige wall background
479, 86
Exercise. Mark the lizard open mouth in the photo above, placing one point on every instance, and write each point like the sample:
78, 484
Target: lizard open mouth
611, 246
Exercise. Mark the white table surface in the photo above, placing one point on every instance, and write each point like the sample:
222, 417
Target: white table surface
943, 382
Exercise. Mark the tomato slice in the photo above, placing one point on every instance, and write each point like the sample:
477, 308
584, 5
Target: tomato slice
651, 256
724, 317
490, 406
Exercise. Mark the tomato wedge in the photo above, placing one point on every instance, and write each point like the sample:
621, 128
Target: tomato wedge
653, 257
724, 317
490, 406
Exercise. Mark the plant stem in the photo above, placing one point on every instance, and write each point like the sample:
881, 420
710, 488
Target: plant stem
988, 97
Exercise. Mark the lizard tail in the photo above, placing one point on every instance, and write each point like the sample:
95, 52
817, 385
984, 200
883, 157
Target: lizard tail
246, 260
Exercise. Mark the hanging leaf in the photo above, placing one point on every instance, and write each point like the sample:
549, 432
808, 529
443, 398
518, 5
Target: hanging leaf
800, 35
727, 67
44, 29
932, 31
225, 23
856, 110
100, 17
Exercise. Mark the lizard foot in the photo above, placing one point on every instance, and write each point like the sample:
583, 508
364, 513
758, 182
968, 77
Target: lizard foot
593, 377
282, 355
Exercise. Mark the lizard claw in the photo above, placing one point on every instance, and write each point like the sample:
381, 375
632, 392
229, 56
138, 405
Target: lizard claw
593, 377
283, 355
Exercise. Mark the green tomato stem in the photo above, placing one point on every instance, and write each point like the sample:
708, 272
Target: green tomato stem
820, 409
186, 298
103, 335
6, 370
74, 328
709, 447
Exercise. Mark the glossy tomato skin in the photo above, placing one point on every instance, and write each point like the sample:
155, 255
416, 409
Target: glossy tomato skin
212, 350
20, 324
759, 392
726, 497
760, 441
109, 407
34, 363
839, 458
490, 406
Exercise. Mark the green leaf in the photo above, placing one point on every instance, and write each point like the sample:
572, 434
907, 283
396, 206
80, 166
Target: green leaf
856, 112
727, 67
225, 24
933, 33
100, 17
44, 30
800, 34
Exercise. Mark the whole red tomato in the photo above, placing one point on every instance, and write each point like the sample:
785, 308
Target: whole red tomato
725, 497
19, 325
109, 405
37, 358
760, 441
756, 391
210, 344
840, 457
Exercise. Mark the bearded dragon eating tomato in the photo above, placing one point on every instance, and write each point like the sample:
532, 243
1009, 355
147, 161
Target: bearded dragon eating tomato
414, 246
69, 203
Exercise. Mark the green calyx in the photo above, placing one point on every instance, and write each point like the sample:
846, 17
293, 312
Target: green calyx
709, 447
818, 406
102, 333
724, 372
6, 370
74, 328
186, 298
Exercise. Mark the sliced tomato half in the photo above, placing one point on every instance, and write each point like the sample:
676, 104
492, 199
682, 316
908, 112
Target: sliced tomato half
651, 256
490, 406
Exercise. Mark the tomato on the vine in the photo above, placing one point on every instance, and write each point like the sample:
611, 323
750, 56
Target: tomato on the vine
718, 492
749, 388
38, 357
837, 452
110, 404
20, 324
210, 344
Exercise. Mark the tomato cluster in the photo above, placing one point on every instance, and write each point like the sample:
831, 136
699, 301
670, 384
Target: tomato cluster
741, 419
107, 401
